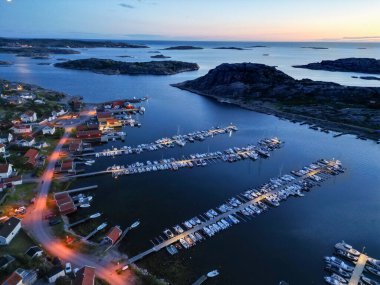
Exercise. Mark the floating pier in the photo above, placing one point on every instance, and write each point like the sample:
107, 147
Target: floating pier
360, 265
246, 205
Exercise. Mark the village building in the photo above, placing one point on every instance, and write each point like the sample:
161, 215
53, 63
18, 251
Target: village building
6, 170
85, 276
28, 117
31, 156
22, 129
8, 230
48, 130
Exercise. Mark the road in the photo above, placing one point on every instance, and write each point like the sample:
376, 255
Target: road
38, 228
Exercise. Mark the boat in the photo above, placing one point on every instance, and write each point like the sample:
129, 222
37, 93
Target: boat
135, 224
336, 269
96, 215
339, 278
345, 246
332, 281
102, 226
213, 273
85, 205
368, 281
373, 270
338, 262
374, 262
347, 255
168, 233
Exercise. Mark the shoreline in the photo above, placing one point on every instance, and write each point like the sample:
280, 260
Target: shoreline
269, 109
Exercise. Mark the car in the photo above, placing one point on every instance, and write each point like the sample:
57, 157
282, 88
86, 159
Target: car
68, 268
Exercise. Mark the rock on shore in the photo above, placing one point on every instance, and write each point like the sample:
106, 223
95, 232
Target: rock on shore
108, 66
363, 65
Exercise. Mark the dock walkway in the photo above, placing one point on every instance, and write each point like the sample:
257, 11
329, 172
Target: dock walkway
79, 189
355, 278
201, 279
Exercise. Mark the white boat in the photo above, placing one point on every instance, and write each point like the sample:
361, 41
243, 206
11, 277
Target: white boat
85, 205
93, 216
102, 226
135, 224
213, 273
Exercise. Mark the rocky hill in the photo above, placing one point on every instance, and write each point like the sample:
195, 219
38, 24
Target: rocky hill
108, 66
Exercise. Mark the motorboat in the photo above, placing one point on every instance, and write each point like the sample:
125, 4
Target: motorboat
135, 224
336, 269
213, 273
338, 262
168, 233
347, 255
332, 281
339, 278
368, 281
86, 205
346, 247
373, 270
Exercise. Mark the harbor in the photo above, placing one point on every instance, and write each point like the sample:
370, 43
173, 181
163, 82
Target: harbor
262, 149
350, 266
248, 204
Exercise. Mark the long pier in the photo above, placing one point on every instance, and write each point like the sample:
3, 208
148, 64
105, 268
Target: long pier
201, 279
229, 212
79, 189
360, 264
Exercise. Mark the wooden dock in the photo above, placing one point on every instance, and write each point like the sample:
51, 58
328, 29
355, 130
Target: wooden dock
221, 216
79, 189
201, 279
355, 278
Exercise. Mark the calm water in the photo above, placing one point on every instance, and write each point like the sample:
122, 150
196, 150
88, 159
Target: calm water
286, 243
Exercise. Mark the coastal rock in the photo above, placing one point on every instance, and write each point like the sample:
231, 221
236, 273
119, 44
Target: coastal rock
367, 77
233, 48
247, 81
5, 63
363, 65
182, 48
108, 66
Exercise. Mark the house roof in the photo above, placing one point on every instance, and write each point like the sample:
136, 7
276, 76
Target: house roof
29, 113
114, 234
5, 260
31, 153
85, 276
104, 115
7, 227
13, 279
4, 168
33, 250
2, 145
54, 271
12, 179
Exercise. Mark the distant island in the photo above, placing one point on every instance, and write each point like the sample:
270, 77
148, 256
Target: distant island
316, 47
108, 66
258, 46
367, 77
66, 43
234, 48
124, 56
4, 63
36, 51
265, 89
160, 56
182, 48
363, 65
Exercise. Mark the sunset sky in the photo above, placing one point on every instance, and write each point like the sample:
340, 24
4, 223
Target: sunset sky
250, 20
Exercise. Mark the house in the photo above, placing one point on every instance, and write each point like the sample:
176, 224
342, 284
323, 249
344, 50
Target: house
6, 170
55, 273
14, 180
34, 251
48, 130
21, 277
27, 142
76, 146
5, 260
2, 148
9, 229
103, 116
85, 276
65, 203
31, 156
40, 102
56, 114
67, 165
22, 129
28, 117
28, 96
113, 235
90, 134
6, 138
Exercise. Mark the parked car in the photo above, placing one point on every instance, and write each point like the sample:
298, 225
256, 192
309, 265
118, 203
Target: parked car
68, 268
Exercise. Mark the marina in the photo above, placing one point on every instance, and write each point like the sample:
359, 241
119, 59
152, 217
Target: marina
245, 205
262, 149
350, 266
176, 140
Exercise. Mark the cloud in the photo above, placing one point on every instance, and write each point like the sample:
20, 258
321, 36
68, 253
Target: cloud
126, 6
361, 38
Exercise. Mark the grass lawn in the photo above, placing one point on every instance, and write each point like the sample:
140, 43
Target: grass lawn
21, 196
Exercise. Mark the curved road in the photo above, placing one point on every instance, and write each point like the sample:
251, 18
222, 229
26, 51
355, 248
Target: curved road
38, 228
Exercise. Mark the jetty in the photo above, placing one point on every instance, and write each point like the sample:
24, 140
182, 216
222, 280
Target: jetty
79, 189
201, 279
278, 189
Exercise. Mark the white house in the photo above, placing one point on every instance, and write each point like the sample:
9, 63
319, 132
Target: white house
6, 170
8, 230
28, 142
55, 273
59, 113
34, 251
48, 130
28, 117
6, 138
21, 129
28, 96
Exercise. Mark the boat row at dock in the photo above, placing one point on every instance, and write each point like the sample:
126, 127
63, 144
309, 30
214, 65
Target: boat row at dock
350, 266
167, 142
242, 207
263, 149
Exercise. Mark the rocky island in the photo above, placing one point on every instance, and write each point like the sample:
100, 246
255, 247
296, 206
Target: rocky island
264, 88
233, 48
363, 65
108, 66
182, 48
160, 56
36, 51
